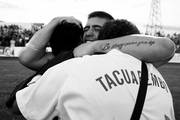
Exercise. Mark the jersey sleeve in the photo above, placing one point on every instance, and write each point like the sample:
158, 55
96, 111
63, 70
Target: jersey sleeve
39, 99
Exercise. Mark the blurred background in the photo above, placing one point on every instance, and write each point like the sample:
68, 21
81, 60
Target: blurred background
20, 19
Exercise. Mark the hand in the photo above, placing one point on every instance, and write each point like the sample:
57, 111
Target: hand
87, 48
71, 19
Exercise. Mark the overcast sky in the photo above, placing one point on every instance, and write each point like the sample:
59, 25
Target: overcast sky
43, 11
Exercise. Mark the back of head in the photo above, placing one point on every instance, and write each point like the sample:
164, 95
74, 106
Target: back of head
100, 14
65, 37
117, 28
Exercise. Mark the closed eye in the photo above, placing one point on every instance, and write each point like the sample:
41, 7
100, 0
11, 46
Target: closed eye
97, 28
86, 28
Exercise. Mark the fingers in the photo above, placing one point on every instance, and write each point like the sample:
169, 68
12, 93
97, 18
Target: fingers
73, 20
69, 19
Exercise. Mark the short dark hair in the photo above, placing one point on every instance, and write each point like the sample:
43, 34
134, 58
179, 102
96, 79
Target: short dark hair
117, 28
100, 14
66, 36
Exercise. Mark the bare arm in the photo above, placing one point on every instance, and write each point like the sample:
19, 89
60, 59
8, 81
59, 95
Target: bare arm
34, 55
157, 50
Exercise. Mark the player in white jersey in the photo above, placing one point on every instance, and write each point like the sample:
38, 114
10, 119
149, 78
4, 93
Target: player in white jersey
97, 87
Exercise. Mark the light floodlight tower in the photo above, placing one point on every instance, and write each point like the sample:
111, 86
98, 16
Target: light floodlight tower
154, 26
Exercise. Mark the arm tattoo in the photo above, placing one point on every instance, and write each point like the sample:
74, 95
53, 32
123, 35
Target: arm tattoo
121, 45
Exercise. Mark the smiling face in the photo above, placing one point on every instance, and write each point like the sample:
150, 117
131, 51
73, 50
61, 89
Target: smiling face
92, 28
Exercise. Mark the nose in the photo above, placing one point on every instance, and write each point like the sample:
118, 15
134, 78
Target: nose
90, 35
90, 32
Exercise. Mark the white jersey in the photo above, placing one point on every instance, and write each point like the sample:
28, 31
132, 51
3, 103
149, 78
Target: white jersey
98, 87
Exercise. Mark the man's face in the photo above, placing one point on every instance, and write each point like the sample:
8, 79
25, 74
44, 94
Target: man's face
92, 28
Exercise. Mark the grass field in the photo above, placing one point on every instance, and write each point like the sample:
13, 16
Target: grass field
12, 72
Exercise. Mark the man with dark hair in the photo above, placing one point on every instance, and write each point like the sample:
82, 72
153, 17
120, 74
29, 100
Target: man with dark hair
117, 28
100, 14
65, 37
97, 87
94, 24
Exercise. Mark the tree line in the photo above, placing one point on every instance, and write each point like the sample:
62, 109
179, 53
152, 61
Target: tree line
14, 32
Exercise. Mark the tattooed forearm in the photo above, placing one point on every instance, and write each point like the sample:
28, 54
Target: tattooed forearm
108, 46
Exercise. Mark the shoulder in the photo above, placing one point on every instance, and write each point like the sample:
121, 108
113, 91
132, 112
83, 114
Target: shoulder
79, 62
121, 56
